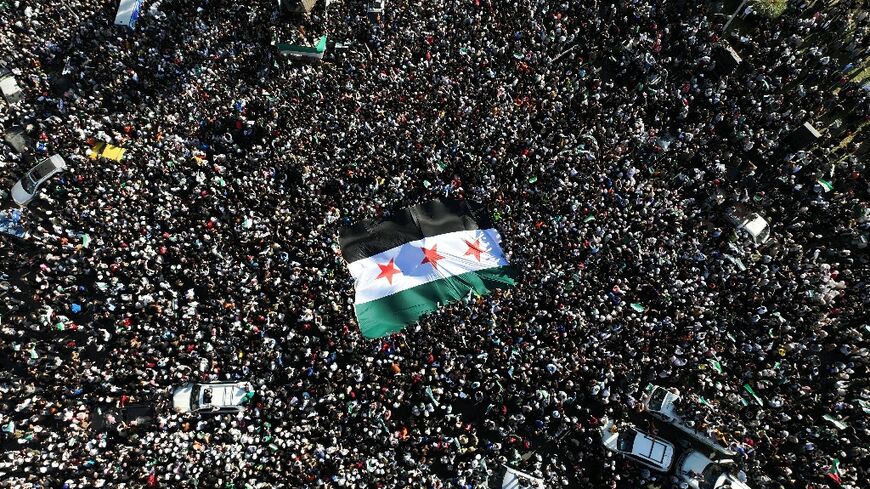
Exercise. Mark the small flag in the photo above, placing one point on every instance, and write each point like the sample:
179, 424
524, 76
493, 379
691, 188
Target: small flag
638, 307
716, 365
834, 471
86, 240
533, 179
589, 218
826, 185
754, 395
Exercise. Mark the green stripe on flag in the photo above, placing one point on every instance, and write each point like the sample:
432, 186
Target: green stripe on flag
826, 185
754, 395
390, 314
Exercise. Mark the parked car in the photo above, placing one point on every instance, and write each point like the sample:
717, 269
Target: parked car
636, 445
661, 403
9, 87
16, 137
25, 189
216, 397
514, 479
122, 420
750, 224
699, 472
376, 6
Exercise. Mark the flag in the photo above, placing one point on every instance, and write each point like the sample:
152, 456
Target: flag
834, 471
826, 185
836, 422
754, 395
418, 260
299, 51
109, 151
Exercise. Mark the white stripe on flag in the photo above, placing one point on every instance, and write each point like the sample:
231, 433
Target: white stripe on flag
409, 259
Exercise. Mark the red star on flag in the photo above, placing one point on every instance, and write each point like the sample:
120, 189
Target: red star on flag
388, 270
431, 256
474, 248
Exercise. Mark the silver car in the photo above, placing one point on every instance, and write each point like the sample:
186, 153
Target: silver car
25, 189
216, 397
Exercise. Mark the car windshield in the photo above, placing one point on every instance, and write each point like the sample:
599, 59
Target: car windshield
194, 396
625, 442
29, 184
709, 476
656, 399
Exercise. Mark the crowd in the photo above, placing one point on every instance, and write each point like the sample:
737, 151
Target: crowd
607, 139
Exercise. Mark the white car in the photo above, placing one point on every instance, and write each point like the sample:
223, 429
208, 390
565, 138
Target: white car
376, 6
753, 225
514, 479
25, 189
660, 403
9, 87
699, 472
217, 397
633, 444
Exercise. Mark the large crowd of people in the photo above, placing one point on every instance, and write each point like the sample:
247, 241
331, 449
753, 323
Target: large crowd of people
610, 141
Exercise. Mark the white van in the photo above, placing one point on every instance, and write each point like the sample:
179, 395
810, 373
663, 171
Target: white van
9, 87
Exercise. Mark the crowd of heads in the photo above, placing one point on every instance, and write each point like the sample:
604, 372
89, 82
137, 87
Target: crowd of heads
610, 141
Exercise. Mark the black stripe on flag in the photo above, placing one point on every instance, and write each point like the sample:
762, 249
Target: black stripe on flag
370, 237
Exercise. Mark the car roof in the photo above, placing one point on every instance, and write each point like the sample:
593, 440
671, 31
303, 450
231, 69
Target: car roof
226, 394
694, 461
755, 224
668, 403
653, 449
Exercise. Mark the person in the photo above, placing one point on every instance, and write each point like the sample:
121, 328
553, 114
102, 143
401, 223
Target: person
605, 138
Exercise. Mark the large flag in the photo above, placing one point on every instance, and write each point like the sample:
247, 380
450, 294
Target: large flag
419, 259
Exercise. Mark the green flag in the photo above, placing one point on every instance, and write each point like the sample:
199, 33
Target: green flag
716, 365
826, 185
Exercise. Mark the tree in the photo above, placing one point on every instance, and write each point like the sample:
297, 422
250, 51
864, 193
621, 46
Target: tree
770, 8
